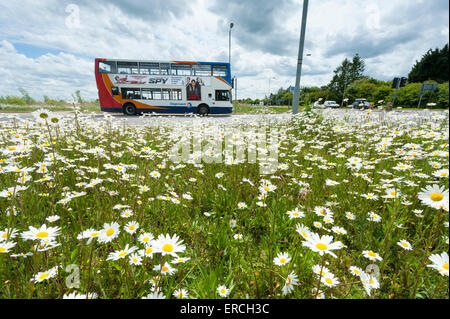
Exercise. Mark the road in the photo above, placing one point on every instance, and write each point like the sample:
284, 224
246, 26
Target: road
373, 115
139, 120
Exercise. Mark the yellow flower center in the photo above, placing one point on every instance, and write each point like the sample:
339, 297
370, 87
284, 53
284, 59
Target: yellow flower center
132, 227
288, 282
148, 250
43, 276
328, 281
295, 214
165, 268
404, 244
321, 246
122, 254
2, 250
95, 234
445, 266
146, 239
167, 248
282, 260
42, 234
5, 235
436, 197
305, 235
109, 232
444, 174
372, 254
356, 271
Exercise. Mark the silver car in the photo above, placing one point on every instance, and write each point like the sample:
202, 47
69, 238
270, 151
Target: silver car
332, 104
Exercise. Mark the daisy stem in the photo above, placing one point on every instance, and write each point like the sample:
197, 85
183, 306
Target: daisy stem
434, 233
11, 213
127, 277
320, 276
89, 269
163, 259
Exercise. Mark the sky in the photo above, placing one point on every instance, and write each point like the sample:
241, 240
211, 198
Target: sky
48, 47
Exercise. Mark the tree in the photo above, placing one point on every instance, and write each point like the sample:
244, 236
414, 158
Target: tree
345, 74
432, 66
77, 96
26, 97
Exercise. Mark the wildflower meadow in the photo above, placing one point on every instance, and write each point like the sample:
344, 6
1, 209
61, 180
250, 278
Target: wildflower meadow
354, 205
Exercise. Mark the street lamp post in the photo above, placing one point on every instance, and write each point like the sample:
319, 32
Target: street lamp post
229, 59
229, 42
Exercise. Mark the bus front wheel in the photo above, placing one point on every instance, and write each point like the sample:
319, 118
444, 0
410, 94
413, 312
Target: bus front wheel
203, 110
129, 109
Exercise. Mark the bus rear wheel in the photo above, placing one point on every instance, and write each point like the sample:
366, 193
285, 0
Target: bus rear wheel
129, 109
203, 110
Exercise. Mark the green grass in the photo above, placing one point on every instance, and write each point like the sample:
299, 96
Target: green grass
261, 109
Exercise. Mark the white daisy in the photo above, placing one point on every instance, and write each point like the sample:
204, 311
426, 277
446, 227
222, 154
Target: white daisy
167, 245
440, 263
223, 291
434, 196
282, 259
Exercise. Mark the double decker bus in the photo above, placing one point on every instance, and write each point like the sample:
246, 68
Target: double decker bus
135, 87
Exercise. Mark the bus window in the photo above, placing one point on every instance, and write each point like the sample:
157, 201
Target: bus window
127, 67
149, 68
156, 94
165, 94
201, 70
115, 90
146, 94
106, 66
175, 94
220, 70
131, 93
181, 69
222, 95
165, 68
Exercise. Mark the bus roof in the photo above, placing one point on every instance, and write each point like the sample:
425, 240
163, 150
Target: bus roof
164, 61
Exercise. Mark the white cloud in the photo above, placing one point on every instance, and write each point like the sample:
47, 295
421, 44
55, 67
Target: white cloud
57, 76
392, 33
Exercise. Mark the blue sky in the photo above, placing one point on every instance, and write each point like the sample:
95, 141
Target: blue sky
48, 47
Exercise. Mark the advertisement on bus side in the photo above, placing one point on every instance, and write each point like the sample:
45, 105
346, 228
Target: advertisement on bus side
161, 79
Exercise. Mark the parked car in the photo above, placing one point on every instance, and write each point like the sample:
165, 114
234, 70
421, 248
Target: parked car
318, 105
332, 104
361, 104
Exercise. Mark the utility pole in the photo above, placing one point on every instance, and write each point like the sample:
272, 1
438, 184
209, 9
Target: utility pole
296, 97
